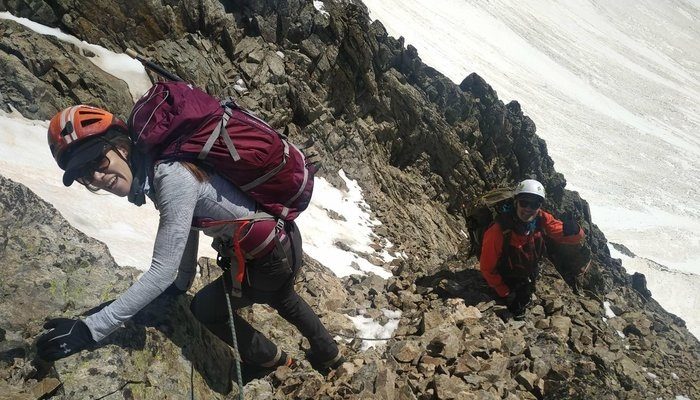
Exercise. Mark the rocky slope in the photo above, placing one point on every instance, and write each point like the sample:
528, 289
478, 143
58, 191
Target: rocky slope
421, 148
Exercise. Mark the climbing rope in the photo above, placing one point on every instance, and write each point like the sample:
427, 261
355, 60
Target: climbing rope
236, 355
364, 338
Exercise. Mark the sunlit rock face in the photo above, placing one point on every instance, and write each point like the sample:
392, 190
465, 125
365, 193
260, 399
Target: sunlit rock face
420, 147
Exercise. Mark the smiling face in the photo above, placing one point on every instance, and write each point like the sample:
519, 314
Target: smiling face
527, 207
110, 173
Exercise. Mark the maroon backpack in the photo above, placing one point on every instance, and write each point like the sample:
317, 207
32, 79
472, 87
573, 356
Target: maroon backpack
175, 120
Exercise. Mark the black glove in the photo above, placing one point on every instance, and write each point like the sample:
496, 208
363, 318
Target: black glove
518, 300
65, 337
570, 225
508, 300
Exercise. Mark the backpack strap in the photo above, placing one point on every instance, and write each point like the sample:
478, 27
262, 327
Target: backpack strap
221, 131
506, 243
272, 236
506, 224
270, 173
221, 128
238, 235
301, 187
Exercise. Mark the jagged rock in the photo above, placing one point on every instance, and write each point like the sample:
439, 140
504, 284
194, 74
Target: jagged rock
448, 387
540, 368
431, 319
593, 307
463, 314
527, 379
384, 385
537, 311
561, 326
404, 392
309, 389
445, 342
630, 374
552, 306
406, 351
49, 75
543, 323
639, 283
496, 368
346, 370
513, 342
637, 324
46, 387
465, 365
258, 389
427, 365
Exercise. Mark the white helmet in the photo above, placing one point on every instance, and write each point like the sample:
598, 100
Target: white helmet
530, 186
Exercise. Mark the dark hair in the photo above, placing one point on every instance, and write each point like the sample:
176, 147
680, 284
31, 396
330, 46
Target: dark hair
200, 173
119, 139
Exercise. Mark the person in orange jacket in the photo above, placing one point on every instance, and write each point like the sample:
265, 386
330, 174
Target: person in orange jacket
514, 244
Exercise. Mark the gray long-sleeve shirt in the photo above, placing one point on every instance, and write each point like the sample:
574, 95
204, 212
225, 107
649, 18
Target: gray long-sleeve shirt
179, 197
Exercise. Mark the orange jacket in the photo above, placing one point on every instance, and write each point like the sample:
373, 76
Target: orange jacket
492, 247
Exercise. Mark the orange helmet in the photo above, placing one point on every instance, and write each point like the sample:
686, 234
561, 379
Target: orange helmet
73, 125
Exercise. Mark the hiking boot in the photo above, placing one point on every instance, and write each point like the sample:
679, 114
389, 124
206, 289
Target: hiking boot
250, 372
327, 365
287, 361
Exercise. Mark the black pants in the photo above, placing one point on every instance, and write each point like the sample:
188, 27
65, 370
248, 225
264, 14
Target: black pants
209, 307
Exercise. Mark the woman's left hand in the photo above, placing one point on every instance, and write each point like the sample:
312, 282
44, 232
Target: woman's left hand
65, 337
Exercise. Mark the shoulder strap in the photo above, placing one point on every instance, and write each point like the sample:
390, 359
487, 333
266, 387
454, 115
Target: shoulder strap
506, 224
506, 243
539, 223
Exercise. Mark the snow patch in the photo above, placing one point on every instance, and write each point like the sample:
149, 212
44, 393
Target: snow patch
367, 327
320, 7
118, 65
608, 311
337, 229
676, 291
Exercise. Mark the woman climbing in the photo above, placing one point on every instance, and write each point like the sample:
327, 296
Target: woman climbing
93, 147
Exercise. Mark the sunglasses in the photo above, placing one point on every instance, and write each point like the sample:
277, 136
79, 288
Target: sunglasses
87, 171
531, 204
